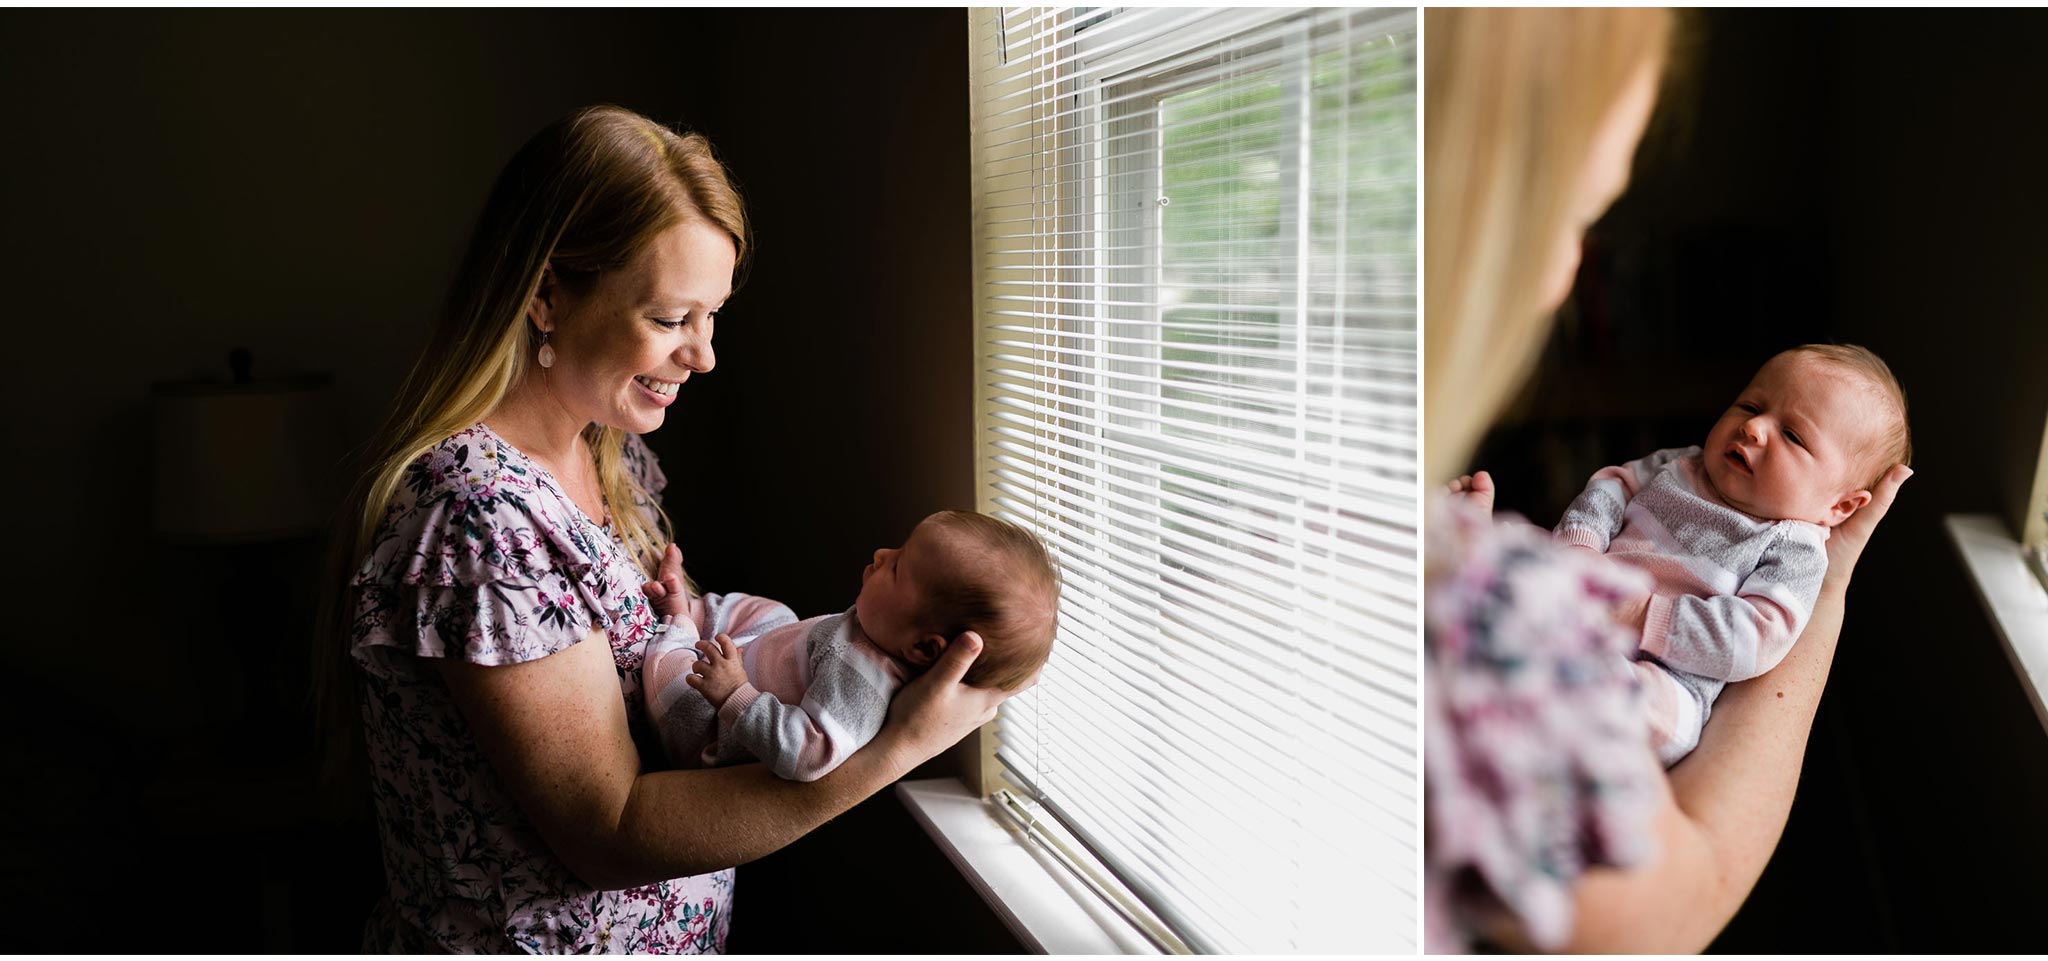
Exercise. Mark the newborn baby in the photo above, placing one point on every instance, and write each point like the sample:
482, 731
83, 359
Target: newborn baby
804, 695
1734, 534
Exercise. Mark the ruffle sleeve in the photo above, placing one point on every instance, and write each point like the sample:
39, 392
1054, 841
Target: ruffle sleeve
475, 560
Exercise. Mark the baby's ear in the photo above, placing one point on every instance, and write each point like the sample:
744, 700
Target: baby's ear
1848, 505
926, 651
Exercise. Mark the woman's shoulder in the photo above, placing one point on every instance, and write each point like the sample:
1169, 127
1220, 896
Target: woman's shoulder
478, 471
473, 510
473, 454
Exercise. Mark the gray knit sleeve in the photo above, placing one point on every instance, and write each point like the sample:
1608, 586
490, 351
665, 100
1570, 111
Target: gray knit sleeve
1595, 516
1738, 636
843, 709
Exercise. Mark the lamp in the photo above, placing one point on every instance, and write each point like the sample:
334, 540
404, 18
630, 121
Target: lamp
244, 472
243, 460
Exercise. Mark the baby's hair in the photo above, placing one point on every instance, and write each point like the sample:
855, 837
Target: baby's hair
1012, 602
1895, 445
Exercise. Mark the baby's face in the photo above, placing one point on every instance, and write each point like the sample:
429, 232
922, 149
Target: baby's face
893, 592
1792, 446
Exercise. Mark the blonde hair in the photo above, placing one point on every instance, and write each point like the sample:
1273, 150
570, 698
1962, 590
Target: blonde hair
1514, 100
1895, 444
1013, 605
586, 195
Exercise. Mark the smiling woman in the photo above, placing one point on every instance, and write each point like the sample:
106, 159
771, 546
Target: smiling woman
668, 298
493, 623
630, 336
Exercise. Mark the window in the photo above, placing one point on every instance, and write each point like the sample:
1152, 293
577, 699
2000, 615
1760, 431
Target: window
1195, 232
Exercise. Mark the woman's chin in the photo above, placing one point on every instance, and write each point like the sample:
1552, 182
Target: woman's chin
639, 413
636, 421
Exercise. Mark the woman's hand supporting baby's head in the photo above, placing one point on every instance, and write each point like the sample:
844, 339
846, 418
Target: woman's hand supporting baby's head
934, 711
1846, 540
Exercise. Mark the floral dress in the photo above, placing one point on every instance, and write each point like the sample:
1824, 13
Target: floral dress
482, 556
1536, 754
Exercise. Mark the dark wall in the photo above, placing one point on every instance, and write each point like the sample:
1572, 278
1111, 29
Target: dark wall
1837, 176
841, 412
176, 183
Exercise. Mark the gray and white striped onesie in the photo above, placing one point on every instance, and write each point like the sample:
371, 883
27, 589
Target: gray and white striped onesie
1732, 591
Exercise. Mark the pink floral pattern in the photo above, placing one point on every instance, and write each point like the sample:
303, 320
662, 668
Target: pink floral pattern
482, 556
1536, 757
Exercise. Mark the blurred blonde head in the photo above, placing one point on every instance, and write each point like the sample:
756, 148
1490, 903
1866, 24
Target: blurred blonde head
1532, 115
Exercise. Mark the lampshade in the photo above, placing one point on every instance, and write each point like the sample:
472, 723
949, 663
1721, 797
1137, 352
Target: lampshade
245, 461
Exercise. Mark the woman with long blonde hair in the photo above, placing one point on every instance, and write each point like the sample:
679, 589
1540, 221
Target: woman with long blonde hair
493, 568
1549, 823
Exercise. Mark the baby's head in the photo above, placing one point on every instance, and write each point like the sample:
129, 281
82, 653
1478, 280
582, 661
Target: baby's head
1814, 431
962, 571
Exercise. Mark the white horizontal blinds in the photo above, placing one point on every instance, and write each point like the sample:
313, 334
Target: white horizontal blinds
1196, 235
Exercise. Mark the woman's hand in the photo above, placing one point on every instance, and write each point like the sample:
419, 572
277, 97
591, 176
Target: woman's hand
1847, 540
935, 711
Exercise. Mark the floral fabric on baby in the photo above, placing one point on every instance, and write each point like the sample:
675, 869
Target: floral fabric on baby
482, 556
1536, 757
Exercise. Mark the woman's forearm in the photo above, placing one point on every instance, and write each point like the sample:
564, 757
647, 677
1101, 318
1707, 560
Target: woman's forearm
1738, 786
735, 814
1725, 810
554, 729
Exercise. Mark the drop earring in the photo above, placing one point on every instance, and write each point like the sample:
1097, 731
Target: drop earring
547, 351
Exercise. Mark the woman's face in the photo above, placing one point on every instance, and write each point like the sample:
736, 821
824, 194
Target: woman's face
624, 346
1602, 179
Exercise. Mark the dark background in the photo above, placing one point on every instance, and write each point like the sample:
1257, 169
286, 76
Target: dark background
300, 183
177, 183
1872, 177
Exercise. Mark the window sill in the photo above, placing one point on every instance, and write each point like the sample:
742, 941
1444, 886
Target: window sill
1045, 906
2011, 594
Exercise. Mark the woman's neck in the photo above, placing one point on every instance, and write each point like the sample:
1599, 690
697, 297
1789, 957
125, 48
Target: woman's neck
532, 419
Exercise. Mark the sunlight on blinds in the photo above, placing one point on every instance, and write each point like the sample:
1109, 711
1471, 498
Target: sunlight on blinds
1195, 231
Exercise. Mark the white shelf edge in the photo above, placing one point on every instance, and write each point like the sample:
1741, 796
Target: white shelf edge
1048, 910
2011, 594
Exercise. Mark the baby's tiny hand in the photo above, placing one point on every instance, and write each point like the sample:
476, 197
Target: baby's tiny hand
665, 593
1474, 489
719, 671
